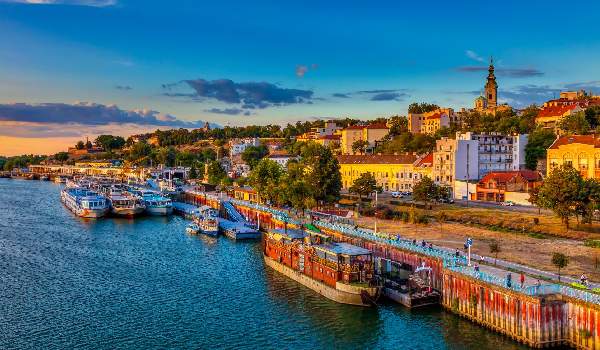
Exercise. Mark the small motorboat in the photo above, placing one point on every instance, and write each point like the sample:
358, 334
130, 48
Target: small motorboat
192, 229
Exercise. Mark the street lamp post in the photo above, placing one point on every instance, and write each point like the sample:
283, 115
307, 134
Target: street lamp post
375, 211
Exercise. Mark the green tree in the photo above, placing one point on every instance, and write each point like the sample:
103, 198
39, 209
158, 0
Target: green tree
61, 156
216, 173
166, 156
422, 107
80, 145
494, 247
398, 125
253, 154
109, 142
294, 190
322, 172
592, 116
364, 185
574, 124
193, 172
360, 146
537, 144
561, 192
139, 152
426, 190
560, 261
265, 179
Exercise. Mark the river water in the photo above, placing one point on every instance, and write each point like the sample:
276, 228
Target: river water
67, 282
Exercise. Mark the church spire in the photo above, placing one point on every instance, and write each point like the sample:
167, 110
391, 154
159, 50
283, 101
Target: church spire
491, 87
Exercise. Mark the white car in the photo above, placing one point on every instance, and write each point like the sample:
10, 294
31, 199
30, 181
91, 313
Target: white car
507, 203
396, 194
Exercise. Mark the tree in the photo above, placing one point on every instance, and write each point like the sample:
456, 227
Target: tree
139, 151
364, 185
193, 172
321, 172
574, 124
109, 142
398, 125
426, 190
592, 116
494, 249
422, 107
265, 179
80, 145
537, 144
561, 192
61, 156
216, 173
88, 144
294, 190
360, 146
253, 154
166, 155
560, 261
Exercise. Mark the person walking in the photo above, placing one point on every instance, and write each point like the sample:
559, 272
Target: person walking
509, 280
522, 280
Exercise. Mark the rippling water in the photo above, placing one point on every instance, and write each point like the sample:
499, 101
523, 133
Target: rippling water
67, 282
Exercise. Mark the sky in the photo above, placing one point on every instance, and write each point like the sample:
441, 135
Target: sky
71, 69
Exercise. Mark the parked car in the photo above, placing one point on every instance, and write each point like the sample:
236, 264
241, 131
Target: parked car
446, 200
507, 203
396, 194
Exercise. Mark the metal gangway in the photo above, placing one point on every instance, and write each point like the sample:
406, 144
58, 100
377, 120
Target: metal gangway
232, 213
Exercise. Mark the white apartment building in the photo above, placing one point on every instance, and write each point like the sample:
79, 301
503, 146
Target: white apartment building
238, 146
470, 156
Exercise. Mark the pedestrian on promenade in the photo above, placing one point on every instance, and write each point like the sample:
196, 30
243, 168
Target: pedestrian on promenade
482, 258
509, 280
457, 254
423, 243
414, 241
584, 280
522, 279
430, 246
476, 266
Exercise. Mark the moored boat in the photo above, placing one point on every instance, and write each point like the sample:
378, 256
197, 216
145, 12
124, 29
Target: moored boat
192, 229
339, 271
84, 203
156, 204
208, 221
124, 203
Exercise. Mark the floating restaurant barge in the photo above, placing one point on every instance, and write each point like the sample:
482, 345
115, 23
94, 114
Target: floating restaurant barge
541, 317
338, 271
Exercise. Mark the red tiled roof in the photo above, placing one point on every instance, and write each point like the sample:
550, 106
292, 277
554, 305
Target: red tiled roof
435, 116
407, 158
506, 176
555, 111
583, 139
425, 161
355, 127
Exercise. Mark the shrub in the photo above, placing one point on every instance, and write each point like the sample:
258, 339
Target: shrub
536, 221
594, 243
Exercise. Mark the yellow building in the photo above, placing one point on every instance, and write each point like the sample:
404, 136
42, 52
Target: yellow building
393, 172
582, 152
370, 133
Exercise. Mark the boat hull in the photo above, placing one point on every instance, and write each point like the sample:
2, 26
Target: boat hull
159, 211
212, 233
92, 213
127, 211
351, 295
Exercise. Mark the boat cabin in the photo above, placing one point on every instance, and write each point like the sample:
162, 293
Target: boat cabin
314, 255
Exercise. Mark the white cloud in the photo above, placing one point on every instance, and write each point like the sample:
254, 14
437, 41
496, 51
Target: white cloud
474, 56
93, 3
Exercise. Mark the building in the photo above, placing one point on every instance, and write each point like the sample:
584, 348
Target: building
430, 122
393, 172
487, 103
246, 193
549, 117
330, 128
470, 156
581, 152
281, 158
371, 133
513, 186
332, 141
238, 146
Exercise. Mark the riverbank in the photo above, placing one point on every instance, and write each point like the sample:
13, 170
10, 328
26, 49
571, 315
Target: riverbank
129, 284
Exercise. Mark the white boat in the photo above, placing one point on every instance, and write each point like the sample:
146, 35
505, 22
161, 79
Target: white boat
60, 179
124, 203
84, 203
208, 221
192, 229
156, 204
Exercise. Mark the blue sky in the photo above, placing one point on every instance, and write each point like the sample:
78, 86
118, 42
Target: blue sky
240, 62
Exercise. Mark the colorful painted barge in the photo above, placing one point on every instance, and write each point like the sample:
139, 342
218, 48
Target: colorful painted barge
339, 271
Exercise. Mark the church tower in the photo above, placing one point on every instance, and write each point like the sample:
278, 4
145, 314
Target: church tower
491, 87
